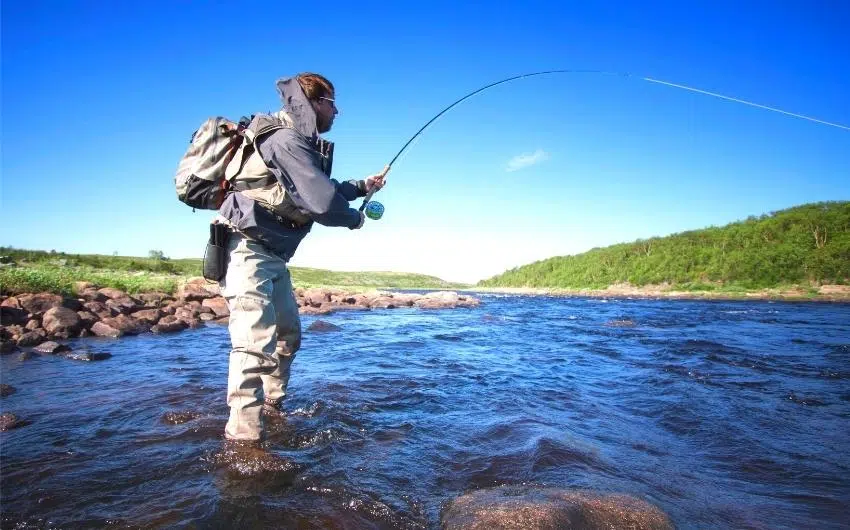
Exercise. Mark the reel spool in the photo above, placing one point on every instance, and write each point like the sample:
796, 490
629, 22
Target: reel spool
374, 210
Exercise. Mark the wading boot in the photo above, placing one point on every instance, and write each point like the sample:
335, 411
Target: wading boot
273, 410
251, 458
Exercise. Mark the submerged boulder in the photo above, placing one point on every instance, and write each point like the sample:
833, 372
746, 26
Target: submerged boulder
250, 459
87, 355
179, 417
322, 325
530, 507
9, 421
32, 338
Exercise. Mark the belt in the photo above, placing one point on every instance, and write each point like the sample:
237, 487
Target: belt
288, 223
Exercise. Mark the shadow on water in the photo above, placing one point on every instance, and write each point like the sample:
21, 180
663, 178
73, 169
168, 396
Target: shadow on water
723, 414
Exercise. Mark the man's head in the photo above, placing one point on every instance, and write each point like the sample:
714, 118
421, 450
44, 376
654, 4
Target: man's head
320, 92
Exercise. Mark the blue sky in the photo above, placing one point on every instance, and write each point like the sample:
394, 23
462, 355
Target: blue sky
99, 100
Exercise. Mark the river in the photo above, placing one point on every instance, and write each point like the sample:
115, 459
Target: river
723, 414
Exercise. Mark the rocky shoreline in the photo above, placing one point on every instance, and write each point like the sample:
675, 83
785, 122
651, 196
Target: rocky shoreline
37, 321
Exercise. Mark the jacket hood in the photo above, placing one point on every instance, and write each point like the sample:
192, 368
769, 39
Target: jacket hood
298, 107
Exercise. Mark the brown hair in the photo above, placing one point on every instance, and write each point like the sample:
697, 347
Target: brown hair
315, 86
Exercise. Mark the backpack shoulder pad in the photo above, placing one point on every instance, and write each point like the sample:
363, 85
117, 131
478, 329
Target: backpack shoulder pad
263, 124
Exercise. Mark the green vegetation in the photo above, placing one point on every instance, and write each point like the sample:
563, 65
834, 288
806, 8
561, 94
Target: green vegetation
27, 271
158, 264
805, 245
46, 278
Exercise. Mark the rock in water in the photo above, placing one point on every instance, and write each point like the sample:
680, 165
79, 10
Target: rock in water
104, 330
529, 507
178, 418
6, 390
621, 323
51, 347
249, 459
31, 338
321, 325
88, 356
9, 421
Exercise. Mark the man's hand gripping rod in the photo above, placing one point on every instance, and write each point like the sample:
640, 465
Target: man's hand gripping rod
371, 192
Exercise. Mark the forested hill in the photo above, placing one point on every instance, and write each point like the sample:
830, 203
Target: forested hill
807, 244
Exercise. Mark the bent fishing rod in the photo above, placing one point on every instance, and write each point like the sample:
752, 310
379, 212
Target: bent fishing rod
375, 210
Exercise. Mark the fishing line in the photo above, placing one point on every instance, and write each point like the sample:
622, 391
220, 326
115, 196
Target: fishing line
745, 102
602, 72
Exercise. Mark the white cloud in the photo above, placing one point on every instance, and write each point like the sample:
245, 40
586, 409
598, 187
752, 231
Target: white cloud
527, 159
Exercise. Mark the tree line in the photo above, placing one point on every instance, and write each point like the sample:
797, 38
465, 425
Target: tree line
807, 244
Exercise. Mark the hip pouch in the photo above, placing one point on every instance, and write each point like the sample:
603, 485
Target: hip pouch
215, 256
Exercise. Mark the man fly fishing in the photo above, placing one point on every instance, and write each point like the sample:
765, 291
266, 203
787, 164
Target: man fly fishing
282, 185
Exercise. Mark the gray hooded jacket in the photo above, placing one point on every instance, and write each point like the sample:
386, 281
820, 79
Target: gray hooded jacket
295, 158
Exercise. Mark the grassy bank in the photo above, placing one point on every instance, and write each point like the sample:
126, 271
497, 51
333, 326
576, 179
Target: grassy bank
28, 271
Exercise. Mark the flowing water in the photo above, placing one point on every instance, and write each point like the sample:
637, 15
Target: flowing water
723, 414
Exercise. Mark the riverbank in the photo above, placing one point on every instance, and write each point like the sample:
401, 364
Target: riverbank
39, 320
823, 293
35, 271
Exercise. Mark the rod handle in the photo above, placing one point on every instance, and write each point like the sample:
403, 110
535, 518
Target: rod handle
368, 196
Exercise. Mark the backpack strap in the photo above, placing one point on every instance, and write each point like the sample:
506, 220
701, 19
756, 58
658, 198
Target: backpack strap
260, 125
263, 124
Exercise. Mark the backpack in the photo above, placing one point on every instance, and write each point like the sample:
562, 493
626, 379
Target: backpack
200, 181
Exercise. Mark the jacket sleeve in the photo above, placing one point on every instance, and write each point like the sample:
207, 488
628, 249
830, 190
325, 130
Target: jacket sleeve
297, 167
351, 189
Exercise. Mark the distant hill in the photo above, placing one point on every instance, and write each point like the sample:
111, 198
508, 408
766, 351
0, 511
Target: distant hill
305, 276
807, 244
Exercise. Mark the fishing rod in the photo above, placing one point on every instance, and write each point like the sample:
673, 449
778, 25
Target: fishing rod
374, 209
